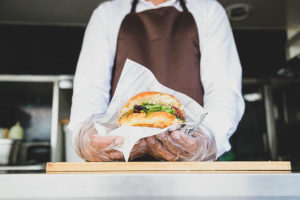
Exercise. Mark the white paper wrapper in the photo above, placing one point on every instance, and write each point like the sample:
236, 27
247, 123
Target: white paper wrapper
135, 79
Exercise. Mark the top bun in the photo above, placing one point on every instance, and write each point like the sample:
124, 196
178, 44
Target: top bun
151, 97
165, 112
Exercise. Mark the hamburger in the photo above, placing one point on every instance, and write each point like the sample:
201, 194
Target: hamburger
151, 109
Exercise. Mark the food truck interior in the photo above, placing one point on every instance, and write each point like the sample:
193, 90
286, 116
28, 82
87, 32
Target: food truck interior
40, 42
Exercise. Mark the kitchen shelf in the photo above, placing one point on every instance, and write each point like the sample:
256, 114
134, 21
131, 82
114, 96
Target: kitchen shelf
46, 91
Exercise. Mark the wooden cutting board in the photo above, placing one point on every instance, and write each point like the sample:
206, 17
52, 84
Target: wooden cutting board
167, 167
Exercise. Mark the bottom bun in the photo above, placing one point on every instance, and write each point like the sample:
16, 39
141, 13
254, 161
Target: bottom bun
155, 120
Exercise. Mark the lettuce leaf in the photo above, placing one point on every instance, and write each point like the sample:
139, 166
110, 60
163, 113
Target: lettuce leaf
157, 107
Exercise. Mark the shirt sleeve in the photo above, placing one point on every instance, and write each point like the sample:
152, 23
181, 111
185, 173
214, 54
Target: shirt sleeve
91, 92
221, 76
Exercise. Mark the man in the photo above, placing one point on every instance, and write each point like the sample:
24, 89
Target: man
189, 47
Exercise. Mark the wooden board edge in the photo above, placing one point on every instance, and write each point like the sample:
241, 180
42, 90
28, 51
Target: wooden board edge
170, 166
172, 172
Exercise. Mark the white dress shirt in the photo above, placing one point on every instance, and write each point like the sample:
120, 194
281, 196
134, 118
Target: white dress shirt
221, 72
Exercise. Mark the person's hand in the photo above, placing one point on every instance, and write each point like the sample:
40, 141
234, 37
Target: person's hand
175, 146
139, 149
95, 148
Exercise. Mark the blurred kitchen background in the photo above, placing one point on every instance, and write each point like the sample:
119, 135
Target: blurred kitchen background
40, 41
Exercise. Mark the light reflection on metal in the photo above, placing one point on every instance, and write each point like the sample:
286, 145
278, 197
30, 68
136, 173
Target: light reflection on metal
252, 97
66, 84
270, 121
54, 144
239, 11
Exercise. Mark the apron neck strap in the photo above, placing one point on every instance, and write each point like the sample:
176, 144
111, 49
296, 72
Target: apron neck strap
134, 3
182, 3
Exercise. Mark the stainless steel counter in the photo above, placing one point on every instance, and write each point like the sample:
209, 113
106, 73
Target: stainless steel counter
151, 186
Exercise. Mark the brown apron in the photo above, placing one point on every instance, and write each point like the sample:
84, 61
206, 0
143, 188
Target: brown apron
166, 41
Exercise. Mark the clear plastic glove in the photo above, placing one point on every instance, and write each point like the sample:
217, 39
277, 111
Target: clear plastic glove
92, 147
177, 146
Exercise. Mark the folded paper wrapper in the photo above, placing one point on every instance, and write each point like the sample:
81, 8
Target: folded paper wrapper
135, 79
